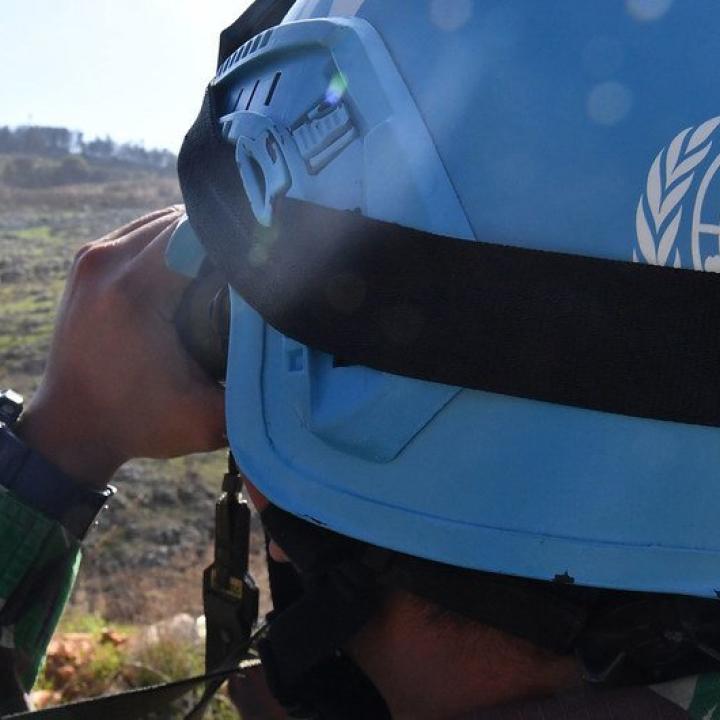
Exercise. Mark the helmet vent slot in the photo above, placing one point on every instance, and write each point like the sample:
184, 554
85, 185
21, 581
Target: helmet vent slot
252, 94
266, 37
273, 87
239, 98
248, 48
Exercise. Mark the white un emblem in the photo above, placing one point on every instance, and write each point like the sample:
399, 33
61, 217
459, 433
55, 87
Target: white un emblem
667, 205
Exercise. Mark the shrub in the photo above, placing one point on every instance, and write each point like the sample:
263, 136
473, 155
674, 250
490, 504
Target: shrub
87, 659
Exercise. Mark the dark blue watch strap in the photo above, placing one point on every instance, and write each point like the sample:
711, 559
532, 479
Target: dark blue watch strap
41, 485
31, 478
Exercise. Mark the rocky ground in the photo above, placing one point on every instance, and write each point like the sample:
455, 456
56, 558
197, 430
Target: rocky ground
92, 658
145, 561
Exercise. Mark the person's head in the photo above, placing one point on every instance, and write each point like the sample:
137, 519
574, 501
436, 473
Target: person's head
434, 355
429, 662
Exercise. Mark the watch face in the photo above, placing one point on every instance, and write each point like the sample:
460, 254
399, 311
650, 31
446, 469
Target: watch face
82, 514
11, 405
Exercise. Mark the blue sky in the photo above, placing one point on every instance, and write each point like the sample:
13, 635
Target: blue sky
132, 69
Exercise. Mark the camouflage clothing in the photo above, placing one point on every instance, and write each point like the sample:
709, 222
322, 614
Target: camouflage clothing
38, 565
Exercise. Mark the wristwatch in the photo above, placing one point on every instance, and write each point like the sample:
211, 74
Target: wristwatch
41, 485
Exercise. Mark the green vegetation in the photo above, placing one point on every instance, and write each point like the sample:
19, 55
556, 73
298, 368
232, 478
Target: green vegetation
74, 621
90, 657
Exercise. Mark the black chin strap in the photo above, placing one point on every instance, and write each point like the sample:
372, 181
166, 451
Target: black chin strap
321, 601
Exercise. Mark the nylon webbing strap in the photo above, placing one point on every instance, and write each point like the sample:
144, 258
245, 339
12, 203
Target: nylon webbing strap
301, 651
613, 336
260, 15
131, 705
338, 598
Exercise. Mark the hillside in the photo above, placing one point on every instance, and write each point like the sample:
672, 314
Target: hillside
145, 561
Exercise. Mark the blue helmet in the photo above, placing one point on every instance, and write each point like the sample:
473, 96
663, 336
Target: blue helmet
578, 127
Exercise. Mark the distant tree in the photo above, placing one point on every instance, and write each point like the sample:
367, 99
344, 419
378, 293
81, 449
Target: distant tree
20, 172
35, 140
72, 169
98, 148
7, 140
76, 141
59, 142
32, 140
161, 159
30, 172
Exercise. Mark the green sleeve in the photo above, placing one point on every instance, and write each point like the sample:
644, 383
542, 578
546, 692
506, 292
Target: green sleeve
38, 565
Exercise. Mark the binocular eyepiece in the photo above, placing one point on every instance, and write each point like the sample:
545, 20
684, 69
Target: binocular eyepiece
203, 321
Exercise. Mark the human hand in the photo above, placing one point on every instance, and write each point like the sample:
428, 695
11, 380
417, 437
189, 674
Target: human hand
118, 382
252, 697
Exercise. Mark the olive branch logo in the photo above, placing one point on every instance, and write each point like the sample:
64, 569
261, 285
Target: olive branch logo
660, 209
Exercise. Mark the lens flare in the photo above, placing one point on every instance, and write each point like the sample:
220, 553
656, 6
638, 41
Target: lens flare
451, 15
336, 89
609, 103
647, 10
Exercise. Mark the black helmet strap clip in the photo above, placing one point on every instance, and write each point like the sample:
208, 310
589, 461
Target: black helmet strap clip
320, 602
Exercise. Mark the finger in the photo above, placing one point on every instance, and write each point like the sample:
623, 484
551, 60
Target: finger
151, 282
214, 398
150, 264
129, 246
139, 222
204, 401
250, 694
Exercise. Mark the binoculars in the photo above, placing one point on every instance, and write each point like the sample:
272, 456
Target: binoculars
203, 316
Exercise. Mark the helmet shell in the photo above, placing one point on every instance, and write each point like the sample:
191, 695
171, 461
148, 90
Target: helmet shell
578, 127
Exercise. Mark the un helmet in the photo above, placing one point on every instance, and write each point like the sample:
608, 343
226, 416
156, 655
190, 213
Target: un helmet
577, 128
